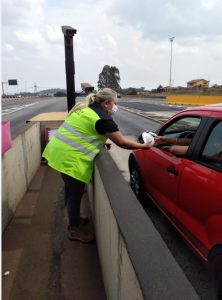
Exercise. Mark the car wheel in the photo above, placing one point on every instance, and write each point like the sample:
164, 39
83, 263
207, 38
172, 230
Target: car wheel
136, 184
215, 266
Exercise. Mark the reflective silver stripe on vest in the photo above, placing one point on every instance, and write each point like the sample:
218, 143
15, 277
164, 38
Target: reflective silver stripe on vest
75, 145
80, 135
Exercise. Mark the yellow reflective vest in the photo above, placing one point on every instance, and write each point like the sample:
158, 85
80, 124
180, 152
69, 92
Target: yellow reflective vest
75, 145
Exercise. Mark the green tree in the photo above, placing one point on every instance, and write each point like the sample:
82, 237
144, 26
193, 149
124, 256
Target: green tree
109, 77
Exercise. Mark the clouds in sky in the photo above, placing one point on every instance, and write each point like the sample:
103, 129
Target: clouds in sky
131, 35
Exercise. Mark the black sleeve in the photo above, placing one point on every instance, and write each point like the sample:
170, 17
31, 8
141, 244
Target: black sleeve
104, 126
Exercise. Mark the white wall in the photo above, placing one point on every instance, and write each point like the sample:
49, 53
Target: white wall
19, 165
119, 276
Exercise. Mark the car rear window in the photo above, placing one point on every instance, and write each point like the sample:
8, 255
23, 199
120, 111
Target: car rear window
212, 152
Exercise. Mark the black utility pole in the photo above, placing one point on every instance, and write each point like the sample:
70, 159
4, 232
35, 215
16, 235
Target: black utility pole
69, 32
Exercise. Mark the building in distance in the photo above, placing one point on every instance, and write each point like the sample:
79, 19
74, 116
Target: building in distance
198, 83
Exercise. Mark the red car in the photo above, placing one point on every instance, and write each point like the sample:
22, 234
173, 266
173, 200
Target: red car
187, 189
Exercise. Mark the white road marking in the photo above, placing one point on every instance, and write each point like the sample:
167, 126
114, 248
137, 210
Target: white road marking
164, 114
11, 110
159, 116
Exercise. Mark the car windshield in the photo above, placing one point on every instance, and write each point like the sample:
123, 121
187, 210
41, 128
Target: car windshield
183, 124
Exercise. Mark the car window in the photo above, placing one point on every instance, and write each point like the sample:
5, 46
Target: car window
212, 152
182, 127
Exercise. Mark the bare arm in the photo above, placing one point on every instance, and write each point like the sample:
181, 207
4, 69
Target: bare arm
178, 150
117, 138
163, 140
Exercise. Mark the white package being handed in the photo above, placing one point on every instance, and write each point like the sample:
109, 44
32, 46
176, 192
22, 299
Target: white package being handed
148, 137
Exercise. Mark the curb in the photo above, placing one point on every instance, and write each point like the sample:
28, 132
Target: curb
4, 100
141, 114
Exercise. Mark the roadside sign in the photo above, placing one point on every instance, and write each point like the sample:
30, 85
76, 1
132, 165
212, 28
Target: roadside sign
12, 82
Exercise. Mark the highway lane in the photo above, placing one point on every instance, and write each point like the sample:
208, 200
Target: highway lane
133, 125
18, 112
130, 125
154, 109
149, 105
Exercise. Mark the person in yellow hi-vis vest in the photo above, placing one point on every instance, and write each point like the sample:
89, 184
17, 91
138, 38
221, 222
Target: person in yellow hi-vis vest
74, 146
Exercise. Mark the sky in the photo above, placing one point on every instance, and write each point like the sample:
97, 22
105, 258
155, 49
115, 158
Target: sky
131, 35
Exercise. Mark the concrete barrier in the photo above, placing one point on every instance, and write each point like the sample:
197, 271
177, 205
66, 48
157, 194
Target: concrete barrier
193, 99
135, 262
19, 165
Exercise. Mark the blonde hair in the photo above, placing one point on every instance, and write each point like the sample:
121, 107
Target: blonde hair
99, 97
78, 105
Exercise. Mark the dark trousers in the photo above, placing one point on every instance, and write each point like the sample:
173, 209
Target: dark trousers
74, 190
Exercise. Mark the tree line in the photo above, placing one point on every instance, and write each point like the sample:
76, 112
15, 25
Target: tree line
110, 77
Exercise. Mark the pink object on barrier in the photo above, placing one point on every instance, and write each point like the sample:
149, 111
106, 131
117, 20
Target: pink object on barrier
49, 133
6, 136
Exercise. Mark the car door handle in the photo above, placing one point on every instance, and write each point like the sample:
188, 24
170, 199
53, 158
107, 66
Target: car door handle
172, 170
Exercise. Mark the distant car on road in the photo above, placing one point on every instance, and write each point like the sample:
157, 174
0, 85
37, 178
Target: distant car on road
188, 189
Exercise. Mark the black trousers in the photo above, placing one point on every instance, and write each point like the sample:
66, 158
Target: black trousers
74, 190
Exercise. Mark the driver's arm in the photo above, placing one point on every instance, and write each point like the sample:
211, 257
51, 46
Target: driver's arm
163, 140
178, 150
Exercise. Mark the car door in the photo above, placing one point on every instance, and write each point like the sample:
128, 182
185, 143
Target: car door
199, 212
162, 170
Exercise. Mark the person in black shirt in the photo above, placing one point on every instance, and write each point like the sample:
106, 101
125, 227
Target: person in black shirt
104, 103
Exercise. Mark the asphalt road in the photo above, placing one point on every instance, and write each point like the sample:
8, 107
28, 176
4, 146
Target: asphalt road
21, 110
147, 105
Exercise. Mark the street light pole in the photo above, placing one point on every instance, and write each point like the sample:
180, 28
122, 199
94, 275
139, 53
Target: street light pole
171, 50
3, 93
69, 32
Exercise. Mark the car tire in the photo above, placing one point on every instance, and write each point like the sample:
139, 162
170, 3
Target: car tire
215, 266
136, 184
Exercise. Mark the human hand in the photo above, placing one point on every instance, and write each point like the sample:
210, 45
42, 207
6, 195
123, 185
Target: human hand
147, 146
160, 140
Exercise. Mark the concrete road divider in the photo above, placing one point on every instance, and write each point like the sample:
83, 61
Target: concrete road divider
135, 262
193, 99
